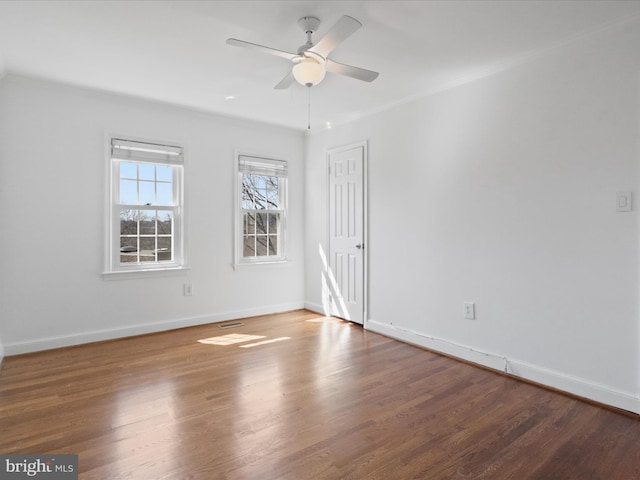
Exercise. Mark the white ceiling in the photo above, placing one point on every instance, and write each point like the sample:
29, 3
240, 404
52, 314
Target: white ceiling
175, 51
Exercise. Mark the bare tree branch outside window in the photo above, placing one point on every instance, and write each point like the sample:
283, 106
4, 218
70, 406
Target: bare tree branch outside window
260, 204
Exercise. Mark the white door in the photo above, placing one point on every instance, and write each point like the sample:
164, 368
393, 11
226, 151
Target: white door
346, 232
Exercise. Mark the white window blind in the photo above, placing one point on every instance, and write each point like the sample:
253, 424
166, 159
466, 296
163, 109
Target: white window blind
149, 152
262, 166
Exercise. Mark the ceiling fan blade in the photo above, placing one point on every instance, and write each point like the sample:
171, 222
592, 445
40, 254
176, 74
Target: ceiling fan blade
343, 29
349, 71
285, 82
261, 48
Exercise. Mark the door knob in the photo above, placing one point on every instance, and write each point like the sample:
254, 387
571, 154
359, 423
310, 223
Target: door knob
359, 246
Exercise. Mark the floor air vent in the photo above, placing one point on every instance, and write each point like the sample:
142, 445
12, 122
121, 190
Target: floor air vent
231, 325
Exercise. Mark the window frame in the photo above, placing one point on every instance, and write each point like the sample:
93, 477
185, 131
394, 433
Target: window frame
113, 267
283, 186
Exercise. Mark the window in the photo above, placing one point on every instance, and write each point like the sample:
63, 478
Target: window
261, 217
146, 206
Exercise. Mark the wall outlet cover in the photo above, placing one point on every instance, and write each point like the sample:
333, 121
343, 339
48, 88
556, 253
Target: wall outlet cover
623, 201
469, 310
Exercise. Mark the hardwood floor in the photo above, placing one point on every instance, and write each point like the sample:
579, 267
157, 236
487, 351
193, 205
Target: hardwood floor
312, 398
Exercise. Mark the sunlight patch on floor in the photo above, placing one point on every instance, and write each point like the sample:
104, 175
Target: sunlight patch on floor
230, 339
265, 342
325, 320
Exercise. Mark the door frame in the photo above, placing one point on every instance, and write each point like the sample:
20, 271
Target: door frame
365, 214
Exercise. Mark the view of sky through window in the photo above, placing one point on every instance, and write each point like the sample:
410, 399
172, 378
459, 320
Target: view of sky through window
146, 184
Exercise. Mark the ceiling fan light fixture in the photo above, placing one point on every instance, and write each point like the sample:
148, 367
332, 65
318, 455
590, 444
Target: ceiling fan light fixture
309, 72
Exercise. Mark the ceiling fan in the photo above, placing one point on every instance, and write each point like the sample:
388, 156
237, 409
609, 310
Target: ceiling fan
311, 61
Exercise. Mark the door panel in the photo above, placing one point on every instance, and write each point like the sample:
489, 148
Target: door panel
346, 232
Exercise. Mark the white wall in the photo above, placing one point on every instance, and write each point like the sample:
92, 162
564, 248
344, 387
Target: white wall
502, 192
52, 188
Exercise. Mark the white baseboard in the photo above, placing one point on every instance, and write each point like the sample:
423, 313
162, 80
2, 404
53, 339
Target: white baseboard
58, 341
315, 307
577, 386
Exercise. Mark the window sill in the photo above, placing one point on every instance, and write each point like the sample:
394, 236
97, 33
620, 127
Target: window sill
243, 265
143, 273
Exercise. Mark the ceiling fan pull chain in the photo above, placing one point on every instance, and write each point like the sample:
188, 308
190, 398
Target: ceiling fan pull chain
309, 107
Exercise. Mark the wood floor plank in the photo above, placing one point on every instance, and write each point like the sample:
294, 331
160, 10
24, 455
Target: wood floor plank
311, 398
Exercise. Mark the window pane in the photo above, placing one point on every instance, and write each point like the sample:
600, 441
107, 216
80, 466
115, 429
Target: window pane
128, 222
147, 194
247, 195
164, 249
261, 245
165, 194
249, 246
128, 257
165, 223
146, 171
261, 199
147, 249
128, 244
273, 245
272, 199
261, 222
247, 201
164, 173
258, 181
248, 181
147, 223
128, 170
128, 192
249, 223
274, 223
128, 249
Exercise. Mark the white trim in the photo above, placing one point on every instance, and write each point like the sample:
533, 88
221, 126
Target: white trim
144, 273
58, 341
273, 263
578, 386
568, 383
316, 308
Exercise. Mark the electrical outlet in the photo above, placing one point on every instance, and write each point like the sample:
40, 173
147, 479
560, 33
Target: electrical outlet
623, 202
469, 310
187, 289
